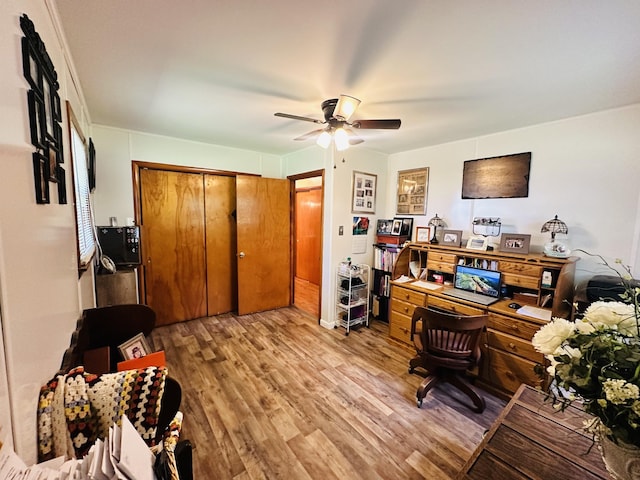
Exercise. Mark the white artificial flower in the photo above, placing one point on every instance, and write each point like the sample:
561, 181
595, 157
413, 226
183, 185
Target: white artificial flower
550, 336
611, 316
618, 391
571, 351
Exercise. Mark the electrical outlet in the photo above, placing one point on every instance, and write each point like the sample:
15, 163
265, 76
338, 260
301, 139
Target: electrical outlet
340, 230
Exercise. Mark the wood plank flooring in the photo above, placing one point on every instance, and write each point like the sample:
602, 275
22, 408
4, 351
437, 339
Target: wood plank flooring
273, 395
307, 296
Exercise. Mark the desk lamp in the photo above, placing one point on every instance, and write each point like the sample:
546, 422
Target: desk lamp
435, 222
555, 248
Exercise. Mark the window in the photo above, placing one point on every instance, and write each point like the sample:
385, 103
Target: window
82, 199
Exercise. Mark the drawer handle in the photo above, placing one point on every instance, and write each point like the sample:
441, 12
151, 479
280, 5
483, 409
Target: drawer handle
407, 296
406, 309
512, 346
510, 375
515, 328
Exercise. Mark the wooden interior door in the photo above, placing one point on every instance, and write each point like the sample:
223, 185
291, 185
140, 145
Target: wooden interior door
264, 240
308, 234
173, 244
222, 278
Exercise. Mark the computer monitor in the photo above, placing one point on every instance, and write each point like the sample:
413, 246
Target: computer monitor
478, 280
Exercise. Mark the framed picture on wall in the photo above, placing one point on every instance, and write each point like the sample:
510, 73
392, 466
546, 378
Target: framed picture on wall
411, 197
363, 193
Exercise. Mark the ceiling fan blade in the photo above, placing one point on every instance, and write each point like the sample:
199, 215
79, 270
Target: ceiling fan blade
297, 117
308, 135
392, 124
353, 138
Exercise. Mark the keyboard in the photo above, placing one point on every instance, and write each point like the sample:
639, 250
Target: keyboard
470, 296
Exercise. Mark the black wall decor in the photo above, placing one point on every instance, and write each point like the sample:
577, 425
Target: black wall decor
45, 114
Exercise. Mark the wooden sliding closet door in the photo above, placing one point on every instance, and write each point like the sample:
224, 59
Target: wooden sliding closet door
222, 278
264, 239
173, 244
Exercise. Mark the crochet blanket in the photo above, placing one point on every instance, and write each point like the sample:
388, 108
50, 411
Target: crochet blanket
76, 408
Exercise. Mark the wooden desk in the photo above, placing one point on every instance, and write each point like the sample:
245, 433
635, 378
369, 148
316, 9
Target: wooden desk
531, 440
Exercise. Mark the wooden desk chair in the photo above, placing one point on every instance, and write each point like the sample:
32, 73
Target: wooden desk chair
447, 345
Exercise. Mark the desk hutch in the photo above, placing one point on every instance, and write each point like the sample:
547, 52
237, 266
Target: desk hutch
534, 280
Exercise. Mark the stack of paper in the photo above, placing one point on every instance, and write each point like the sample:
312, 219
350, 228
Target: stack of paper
121, 456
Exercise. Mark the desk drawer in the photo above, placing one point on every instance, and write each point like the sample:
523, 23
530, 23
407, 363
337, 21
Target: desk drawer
454, 307
513, 326
403, 308
508, 371
441, 266
520, 268
400, 327
406, 295
515, 345
442, 257
521, 280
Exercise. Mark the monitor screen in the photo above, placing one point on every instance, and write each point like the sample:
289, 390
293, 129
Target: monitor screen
478, 280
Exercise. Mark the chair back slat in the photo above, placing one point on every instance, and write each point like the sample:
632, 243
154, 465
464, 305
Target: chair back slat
448, 334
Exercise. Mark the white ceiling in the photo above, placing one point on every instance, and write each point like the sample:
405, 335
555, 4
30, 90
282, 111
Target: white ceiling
217, 70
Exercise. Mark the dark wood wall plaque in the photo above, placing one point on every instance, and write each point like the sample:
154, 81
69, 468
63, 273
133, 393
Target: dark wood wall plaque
497, 177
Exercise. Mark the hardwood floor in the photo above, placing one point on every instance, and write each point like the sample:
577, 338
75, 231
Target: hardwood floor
274, 395
307, 296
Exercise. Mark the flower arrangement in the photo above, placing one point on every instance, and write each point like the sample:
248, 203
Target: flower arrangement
596, 360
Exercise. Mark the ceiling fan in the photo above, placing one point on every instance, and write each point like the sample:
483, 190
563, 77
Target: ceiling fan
337, 112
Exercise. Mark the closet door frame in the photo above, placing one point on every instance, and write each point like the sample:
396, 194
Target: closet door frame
136, 167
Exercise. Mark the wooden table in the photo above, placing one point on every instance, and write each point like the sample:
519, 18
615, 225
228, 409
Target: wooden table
532, 440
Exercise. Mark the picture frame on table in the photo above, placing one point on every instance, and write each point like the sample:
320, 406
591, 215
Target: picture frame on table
477, 243
384, 226
423, 234
135, 347
452, 238
407, 227
397, 227
363, 192
515, 243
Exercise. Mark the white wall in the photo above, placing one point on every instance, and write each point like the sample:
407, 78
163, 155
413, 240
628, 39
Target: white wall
339, 168
39, 288
116, 148
584, 169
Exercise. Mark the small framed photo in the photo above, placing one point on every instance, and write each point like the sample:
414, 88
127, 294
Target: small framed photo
423, 234
407, 227
477, 243
397, 226
135, 347
452, 238
384, 226
515, 243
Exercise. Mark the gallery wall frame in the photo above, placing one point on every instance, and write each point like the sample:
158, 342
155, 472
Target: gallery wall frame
506, 176
412, 187
45, 113
363, 192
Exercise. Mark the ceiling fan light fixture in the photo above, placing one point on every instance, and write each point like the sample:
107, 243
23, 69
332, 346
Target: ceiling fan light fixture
324, 139
345, 107
342, 139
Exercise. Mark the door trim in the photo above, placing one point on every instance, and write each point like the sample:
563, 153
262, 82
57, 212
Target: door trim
292, 179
